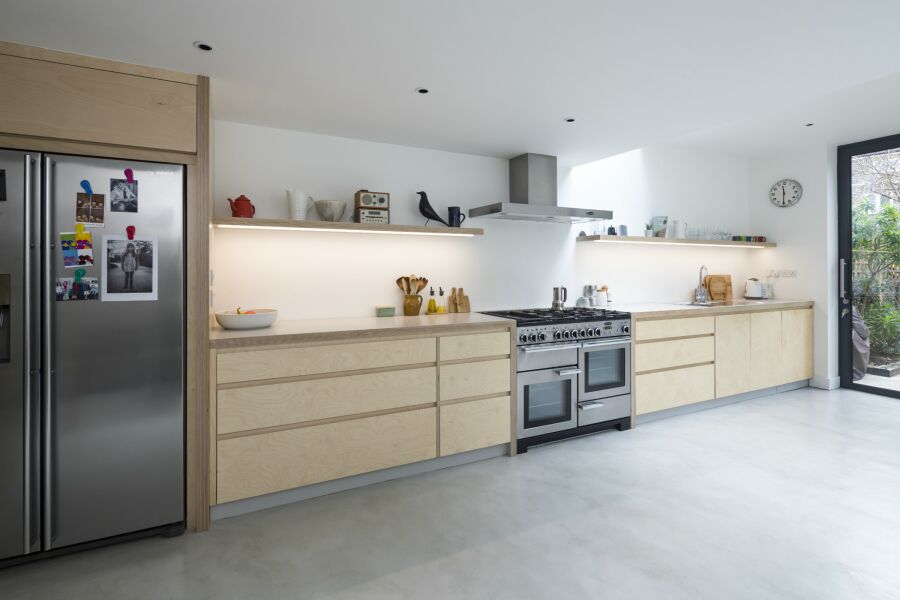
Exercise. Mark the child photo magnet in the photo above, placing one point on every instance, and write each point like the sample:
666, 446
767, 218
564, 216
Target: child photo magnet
130, 269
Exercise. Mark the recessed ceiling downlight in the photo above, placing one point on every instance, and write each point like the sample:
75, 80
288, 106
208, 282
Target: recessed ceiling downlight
203, 46
422, 90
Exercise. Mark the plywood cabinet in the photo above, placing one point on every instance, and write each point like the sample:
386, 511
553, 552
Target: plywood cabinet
474, 424
765, 350
674, 388
797, 345
265, 463
733, 355
740, 353
70, 102
289, 416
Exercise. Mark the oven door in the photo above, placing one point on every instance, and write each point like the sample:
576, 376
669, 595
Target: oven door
547, 401
606, 369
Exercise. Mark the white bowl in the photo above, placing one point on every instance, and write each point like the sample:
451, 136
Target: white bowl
230, 319
330, 210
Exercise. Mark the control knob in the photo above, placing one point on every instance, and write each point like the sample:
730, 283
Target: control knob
582, 333
542, 336
533, 337
523, 338
626, 328
566, 334
590, 332
557, 335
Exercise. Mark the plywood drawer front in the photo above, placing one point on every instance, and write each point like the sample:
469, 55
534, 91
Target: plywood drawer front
459, 347
668, 389
270, 462
54, 100
254, 365
241, 409
475, 379
476, 424
674, 353
669, 328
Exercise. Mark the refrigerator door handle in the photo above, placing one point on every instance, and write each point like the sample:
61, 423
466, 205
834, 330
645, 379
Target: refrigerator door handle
46, 351
29, 331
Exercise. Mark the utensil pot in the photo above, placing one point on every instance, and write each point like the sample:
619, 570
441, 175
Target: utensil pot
412, 304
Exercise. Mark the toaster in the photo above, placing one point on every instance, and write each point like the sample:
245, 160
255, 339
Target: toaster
756, 290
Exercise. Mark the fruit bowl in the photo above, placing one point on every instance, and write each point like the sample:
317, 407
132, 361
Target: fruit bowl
252, 318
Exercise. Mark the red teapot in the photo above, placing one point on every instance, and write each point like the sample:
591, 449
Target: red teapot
242, 207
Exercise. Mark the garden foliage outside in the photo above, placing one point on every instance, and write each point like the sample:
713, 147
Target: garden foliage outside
876, 251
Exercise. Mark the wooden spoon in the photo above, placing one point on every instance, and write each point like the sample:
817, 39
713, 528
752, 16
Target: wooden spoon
400, 284
423, 283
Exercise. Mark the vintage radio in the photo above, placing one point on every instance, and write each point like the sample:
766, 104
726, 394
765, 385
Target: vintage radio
367, 199
380, 216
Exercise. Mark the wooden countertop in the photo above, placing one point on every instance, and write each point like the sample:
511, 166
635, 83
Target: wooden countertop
656, 310
310, 330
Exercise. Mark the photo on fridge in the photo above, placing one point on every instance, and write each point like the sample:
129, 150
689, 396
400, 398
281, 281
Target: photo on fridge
67, 289
123, 196
90, 209
130, 268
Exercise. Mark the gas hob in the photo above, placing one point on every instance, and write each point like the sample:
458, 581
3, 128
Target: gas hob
542, 325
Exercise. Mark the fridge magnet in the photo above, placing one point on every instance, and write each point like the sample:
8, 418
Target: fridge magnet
77, 288
77, 248
123, 195
131, 268
89, 209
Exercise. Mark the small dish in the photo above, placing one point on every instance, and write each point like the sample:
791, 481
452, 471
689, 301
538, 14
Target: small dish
257, 319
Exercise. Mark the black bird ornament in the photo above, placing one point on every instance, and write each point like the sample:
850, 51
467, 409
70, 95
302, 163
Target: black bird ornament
428, 211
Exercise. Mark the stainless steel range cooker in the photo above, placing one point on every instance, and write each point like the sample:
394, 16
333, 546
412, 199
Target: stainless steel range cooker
574, 372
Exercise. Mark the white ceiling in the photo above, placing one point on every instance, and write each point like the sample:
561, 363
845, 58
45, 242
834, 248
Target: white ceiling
853, 114
503, 73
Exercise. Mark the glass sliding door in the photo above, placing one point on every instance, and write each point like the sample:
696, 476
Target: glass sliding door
869, 278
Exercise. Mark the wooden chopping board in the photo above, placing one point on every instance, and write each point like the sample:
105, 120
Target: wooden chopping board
719, 287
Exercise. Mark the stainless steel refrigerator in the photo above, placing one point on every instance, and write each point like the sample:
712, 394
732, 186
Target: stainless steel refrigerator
91, 375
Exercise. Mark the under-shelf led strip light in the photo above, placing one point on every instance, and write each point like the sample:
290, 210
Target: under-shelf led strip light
711, 244
229, 226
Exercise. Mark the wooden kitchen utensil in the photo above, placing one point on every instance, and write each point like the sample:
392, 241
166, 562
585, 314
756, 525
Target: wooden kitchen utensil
413, 285
452, 302
463, 301
423, 283
400, 284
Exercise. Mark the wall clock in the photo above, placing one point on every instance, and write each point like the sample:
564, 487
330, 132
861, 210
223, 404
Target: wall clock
786, 192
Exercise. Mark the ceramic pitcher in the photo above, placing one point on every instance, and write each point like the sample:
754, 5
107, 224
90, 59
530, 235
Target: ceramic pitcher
298, 204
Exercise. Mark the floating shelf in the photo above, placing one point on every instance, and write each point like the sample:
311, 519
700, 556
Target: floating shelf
343, 226
630, 239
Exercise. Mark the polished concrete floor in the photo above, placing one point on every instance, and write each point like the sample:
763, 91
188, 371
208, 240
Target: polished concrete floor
790, 496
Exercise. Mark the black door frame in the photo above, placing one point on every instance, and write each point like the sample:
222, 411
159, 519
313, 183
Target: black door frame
845, 273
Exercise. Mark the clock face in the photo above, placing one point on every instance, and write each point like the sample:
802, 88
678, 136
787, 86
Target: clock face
786, 192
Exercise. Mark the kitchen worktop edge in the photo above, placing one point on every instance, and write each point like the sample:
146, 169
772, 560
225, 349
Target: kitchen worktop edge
652, 310
305, 330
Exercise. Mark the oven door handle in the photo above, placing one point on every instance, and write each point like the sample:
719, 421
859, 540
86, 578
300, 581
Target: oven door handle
591, 405
564, 372
605, 343
529, 350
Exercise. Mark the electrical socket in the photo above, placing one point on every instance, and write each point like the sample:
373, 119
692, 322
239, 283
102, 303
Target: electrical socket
788, 273
772, 273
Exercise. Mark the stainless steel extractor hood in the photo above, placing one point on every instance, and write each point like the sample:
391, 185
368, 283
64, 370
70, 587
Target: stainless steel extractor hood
532, 195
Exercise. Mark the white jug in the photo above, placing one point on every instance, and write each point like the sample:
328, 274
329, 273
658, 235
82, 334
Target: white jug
298, 203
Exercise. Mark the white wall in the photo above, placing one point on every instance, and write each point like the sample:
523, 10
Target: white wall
309, 275
807, 241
